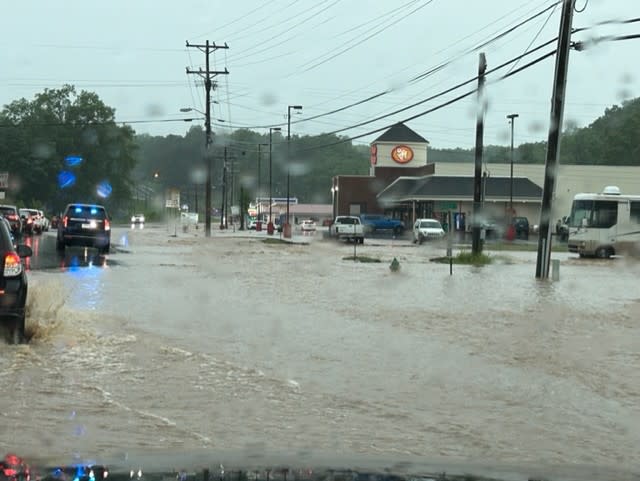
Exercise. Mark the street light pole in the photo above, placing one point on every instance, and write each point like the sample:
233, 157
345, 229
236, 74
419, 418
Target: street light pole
512, 118
271, 131
259, 194
287, 227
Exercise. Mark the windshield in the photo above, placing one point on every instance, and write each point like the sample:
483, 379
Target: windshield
430, 224
594, 213
300, 234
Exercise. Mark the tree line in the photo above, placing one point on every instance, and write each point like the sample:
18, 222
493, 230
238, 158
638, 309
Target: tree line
612, 139
64, 145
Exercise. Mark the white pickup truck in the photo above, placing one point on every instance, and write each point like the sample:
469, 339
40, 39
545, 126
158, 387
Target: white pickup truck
349, 228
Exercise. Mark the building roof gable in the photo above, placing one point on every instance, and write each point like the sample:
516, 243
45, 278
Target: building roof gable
401, 133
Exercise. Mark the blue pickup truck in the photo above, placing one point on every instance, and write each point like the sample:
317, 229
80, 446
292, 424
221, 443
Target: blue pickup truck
377, 222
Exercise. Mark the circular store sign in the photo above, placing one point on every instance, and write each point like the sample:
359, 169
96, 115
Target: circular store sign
402, 154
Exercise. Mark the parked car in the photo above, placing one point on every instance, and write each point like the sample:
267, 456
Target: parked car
13, 285
349, 228
427, 229
521, 227
31, 223
11, 214
376, 222
44, 221
307, 225
86, 225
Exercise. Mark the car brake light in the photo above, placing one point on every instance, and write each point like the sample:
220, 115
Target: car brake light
65, 219
12, 265
107, 224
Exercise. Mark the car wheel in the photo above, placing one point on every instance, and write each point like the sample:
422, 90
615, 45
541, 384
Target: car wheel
603, 253
16, 331
420, 239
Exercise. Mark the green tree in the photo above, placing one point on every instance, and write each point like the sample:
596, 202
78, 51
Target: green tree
36, 136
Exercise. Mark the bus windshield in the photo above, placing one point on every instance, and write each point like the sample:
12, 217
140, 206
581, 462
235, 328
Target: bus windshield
600, 214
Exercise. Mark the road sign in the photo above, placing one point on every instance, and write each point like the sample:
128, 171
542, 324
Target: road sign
441, 206
4, 180
172, 198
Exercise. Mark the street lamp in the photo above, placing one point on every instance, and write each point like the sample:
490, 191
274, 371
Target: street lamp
208, 134
271, 131
287, 227
259, 196
512, 118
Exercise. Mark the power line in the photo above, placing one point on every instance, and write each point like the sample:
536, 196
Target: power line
299, 22
432, 97
486, 43
361, 41
237, 19
501, 35
424, 75
251, 34
438, 107
535, 37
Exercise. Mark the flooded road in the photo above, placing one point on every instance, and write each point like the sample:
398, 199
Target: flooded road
181, 342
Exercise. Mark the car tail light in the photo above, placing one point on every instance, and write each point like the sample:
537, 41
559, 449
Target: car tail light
107, 224
12, 265
65, 220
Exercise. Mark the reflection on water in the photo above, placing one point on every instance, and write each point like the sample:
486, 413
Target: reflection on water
73, 260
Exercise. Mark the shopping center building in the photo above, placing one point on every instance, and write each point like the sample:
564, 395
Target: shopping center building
402, 183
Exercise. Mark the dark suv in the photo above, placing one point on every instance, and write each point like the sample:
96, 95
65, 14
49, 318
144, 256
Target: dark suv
10, 212
521, 227
13, 285
86, 225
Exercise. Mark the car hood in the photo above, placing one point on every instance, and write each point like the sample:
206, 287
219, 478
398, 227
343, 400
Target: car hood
255, 463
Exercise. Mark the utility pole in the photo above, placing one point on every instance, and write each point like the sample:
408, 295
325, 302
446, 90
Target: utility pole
233, 181
553, 142
512, 118
270, 224
207, 74
476, 247
259, 195
223, 218
287, 227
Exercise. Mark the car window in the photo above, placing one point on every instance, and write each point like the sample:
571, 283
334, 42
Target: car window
7, 210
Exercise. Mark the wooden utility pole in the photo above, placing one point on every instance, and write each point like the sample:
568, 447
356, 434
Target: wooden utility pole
476, 245
553, 142
208, 75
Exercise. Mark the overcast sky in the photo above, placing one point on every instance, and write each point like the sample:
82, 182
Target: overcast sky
322, 54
